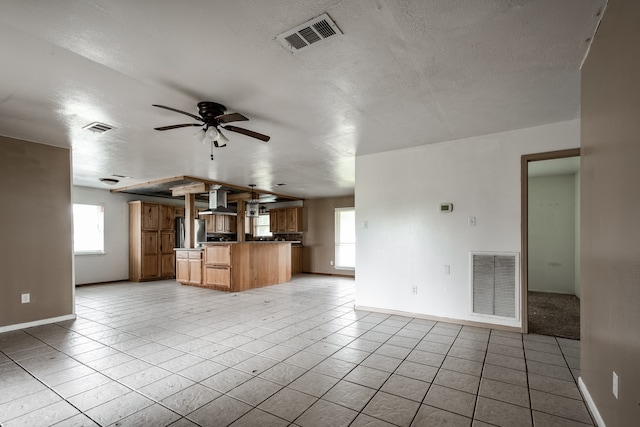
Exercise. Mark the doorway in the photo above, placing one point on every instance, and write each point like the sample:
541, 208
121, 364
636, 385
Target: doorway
550, 243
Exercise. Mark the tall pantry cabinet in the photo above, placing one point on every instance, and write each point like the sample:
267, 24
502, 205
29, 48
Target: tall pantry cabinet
151, 241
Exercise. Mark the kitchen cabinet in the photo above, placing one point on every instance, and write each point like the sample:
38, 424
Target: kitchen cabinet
189, 267
151, 241
179, 213
220, 223
239, 266
285, 220
167, 217
296, 259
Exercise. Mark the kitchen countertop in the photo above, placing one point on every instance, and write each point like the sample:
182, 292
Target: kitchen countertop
252, 241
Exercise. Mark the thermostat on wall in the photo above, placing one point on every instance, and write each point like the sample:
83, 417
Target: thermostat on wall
446, 207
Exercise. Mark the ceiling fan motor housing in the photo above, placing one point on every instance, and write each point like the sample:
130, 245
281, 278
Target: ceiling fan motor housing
210, 110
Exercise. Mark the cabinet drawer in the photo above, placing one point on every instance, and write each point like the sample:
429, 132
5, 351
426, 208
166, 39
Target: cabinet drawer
217, 254
195, 254
217, 276
182, 254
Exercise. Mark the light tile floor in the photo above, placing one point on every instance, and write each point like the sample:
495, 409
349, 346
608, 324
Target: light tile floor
154, 354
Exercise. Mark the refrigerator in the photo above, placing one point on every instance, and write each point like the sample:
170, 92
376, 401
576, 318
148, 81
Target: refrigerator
200, 232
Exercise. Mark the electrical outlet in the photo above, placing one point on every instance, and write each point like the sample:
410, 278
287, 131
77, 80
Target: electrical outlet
472, 221
615, 384
26, 298
447, 269
365, 224
331, 262
415, 290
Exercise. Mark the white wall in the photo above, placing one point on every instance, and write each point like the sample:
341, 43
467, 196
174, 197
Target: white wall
552, 250
408, 241
113, 265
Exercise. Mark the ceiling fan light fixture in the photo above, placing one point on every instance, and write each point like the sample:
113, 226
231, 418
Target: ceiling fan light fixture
200, 136
212, 133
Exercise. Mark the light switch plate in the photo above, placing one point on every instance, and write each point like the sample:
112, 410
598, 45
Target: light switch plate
615, 384
26, 298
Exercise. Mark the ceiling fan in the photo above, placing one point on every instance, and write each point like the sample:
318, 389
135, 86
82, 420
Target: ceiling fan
213, 117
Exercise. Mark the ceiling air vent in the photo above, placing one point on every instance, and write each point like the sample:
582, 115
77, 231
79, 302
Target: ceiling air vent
98, 127
311, 33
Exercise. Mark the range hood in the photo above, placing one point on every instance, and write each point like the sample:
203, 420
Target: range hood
218, 203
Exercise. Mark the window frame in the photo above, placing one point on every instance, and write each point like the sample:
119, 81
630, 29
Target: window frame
100, 226
338, 243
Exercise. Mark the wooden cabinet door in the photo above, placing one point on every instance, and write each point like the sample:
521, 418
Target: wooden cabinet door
219, 223
167, 217
179, 213
182, 270
218, 276
273, 220
230, 224
150, 216
282, 220
167, 242
195, 271
167, 265
167, 254
150, 252
294, 219
211, 223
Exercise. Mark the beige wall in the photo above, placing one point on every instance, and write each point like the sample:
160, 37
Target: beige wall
36, 228
610, 223
319, 235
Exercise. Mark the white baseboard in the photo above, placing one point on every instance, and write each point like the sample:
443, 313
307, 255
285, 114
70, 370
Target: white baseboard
36, 323
440, 319
590, 403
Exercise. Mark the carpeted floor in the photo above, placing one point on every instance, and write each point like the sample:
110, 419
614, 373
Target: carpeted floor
554, 314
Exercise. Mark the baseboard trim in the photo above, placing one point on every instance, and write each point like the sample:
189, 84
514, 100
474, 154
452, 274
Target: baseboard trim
349, 276
590, 403
41, 322
441, 319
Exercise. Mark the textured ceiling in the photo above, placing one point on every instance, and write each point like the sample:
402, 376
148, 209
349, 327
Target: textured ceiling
405, 73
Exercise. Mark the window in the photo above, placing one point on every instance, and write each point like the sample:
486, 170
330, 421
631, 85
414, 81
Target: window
261, 226
88, 229
345, 238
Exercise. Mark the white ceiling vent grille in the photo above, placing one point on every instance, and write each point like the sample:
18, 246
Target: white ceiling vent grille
98, 127
311, 33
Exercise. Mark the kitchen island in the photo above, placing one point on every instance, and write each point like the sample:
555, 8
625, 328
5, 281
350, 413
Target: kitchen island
234, 266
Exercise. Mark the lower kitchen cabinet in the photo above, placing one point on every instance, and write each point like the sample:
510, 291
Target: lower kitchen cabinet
296, 259
189, 267
217, 276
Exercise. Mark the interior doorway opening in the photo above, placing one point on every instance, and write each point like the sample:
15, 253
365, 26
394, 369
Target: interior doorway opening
550, 243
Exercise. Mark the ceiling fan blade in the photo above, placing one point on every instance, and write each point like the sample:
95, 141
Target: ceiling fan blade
231, 117
247, 132
184, 125
179, 111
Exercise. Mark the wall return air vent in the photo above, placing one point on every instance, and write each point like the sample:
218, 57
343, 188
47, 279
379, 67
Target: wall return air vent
312, 33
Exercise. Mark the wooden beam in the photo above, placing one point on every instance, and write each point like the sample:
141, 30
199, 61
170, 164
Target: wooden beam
189, 216
197, 188
239, 196
240, 231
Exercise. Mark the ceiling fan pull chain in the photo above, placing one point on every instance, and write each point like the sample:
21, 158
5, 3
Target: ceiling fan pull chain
211, 150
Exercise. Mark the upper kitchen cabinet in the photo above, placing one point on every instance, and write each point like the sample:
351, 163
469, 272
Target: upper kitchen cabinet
150, 216
167, 217
285, 220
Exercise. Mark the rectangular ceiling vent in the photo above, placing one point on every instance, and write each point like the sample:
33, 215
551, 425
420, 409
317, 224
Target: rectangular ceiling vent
311, 33
98, 127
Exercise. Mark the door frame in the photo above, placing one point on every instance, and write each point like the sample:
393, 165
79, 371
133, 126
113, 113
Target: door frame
524, 225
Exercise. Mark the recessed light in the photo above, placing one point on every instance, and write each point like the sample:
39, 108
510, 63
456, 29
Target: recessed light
109, 181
